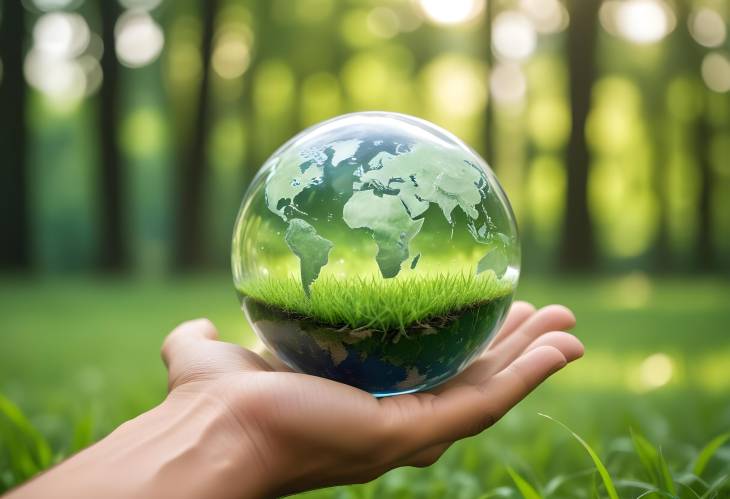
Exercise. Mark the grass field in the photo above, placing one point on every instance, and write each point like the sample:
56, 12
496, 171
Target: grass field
80, 356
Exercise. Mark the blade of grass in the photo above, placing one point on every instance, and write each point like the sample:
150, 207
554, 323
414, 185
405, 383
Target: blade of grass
83, 432
715, 487
648, 488
653, 461
605, 476
708, 451
689, 489
656, 492
556, 482
28, 451
527, 490
665, 473
647, 455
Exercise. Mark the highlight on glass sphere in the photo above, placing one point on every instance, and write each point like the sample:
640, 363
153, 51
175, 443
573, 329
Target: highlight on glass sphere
378, 250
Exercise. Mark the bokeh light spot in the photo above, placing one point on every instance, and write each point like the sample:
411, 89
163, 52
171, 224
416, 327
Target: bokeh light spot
451, 11
548, 16
656, 371
507, 83
716, 72
638, 21
707, 27
60, 34
139, 39
60, 79
455, 85
231, 55
513, 36
383, 22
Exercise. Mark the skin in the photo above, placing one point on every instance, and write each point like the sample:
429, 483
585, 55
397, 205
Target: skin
237, 424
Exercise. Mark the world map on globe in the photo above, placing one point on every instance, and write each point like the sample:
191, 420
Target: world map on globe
392, 186
376, 249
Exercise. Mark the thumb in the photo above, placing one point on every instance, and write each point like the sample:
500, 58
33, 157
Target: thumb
183, 345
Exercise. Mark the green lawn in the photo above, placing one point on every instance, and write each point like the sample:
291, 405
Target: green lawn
81, 355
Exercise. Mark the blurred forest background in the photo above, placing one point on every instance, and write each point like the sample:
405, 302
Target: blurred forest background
129, 130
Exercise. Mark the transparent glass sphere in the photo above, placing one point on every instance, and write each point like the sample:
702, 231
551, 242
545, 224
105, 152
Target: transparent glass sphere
378, 250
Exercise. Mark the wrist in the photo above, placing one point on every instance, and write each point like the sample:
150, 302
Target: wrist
200, 449
191, 445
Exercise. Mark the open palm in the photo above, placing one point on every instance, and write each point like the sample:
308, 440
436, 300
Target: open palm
312, 432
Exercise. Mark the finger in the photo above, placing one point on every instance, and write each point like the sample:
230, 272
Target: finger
570, 346
519, 312
185, 337
465, 410
550, 318
497, 357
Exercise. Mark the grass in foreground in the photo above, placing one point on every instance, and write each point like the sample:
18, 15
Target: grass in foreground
25, 452
80, 356
379, 304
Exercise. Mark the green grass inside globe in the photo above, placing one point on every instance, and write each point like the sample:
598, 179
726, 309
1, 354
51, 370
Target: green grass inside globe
378, 250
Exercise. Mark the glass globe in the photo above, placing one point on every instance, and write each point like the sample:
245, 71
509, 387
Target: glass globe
378, 250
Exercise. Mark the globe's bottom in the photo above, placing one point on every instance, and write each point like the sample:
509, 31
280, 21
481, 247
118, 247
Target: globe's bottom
382, 363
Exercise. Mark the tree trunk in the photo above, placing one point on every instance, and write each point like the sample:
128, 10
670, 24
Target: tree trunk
193, 176
14, 250
705, 249
489, 121
114, 249
577, 251
662, 244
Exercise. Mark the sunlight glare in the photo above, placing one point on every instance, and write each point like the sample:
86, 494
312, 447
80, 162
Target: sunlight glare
231, 55
55, 77
638, 21
507, 83
451, 11
548, 16
139, 39
383, 22
513, 36
455, 86
61, 35
707, 27
656, 371
716, 72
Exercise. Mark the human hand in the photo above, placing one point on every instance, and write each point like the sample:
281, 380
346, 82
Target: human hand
307, 432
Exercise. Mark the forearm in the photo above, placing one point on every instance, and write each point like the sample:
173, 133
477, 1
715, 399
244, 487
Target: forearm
179, 449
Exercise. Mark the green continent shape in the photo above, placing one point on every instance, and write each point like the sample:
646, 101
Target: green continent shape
391, 226
311, 248
288, 179
428, 174
296, 172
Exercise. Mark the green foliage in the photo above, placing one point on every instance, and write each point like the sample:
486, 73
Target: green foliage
83, 432
602, 471
708, 451
527, 490
23, 450
654, 463
379, 304
67, 342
